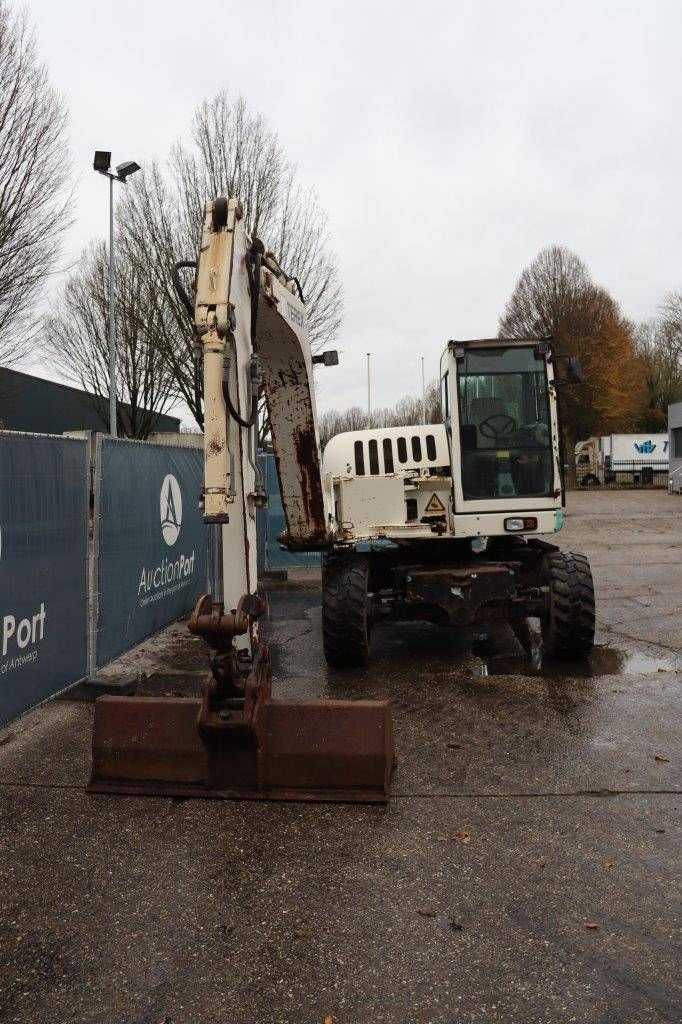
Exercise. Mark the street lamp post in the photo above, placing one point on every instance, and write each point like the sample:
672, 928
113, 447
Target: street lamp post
369, 392
102, 164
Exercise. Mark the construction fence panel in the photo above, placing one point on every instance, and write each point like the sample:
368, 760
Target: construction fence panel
151, 558
271, 522
623, 473
44, 506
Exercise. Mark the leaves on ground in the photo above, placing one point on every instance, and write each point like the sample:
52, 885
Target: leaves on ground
461, 836
606, 864
426, 912
592, 926
661, 758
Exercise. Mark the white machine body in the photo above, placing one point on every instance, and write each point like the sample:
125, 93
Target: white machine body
453, 479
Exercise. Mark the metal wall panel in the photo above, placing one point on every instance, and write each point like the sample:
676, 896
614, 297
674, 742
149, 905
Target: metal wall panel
43, 568
675, 446
44, 406
152, 540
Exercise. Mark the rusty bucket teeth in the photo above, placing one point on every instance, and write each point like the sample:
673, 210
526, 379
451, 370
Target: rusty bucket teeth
255, 749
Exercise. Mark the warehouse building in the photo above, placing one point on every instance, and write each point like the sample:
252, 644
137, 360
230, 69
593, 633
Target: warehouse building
41, 406
675, 446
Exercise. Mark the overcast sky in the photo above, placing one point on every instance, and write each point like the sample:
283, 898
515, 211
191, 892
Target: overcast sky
448, 142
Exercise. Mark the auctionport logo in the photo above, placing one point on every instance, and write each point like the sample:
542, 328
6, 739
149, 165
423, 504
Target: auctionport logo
18, 634
170, 505
173, 572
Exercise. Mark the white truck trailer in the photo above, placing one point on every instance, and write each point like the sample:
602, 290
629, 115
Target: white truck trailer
639, 459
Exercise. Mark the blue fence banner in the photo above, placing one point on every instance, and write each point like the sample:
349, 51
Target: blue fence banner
152, 540
44, 501
271, 522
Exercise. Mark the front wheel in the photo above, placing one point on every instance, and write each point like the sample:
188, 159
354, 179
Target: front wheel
568, 622
345, 619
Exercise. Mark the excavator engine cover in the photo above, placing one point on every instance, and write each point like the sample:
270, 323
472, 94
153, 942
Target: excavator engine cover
246, 747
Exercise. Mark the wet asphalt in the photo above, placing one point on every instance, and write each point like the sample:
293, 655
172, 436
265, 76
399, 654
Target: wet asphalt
526, 869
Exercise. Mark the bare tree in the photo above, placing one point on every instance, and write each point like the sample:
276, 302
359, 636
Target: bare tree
77, 332
235, 153
35, 172
670, 319
555, 295
658, 344
409, 409
406, 412
150, 238
334, 422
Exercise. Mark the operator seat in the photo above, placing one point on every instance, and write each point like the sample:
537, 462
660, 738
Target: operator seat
480, 409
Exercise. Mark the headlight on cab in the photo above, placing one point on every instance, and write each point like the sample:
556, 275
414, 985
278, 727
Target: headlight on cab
515, 524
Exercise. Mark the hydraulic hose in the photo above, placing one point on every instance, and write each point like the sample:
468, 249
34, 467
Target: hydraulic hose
253, 265
198, 395
282, 271
253, 413
178, 285
187, 303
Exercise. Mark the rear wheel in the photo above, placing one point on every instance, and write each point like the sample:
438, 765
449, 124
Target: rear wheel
568, 623
345, 620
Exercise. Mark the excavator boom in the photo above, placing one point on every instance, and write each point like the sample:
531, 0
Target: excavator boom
236, 740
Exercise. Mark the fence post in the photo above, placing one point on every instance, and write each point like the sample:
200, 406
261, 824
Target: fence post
93, 552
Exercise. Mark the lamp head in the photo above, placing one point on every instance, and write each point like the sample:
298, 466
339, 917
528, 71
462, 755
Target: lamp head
102, 161
124, 170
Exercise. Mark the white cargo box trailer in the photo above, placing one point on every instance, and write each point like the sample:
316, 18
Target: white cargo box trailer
640, 459
626, 449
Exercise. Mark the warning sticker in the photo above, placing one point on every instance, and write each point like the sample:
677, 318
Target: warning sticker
435, 506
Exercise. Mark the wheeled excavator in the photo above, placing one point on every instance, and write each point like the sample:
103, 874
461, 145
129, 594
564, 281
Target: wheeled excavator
444, 522
437, 522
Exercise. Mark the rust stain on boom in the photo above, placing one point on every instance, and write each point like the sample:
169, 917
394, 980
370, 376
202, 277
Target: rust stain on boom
290, 401
305, 445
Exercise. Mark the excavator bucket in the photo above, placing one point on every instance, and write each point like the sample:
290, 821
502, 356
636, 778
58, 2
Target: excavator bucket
250, 747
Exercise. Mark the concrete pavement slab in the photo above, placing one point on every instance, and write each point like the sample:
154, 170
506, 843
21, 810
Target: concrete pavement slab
531, 803
130, 910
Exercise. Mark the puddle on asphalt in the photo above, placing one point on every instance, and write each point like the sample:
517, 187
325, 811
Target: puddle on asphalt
490, 649
605, 660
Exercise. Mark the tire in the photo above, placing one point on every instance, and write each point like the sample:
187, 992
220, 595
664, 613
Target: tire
345, 620
568, 624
